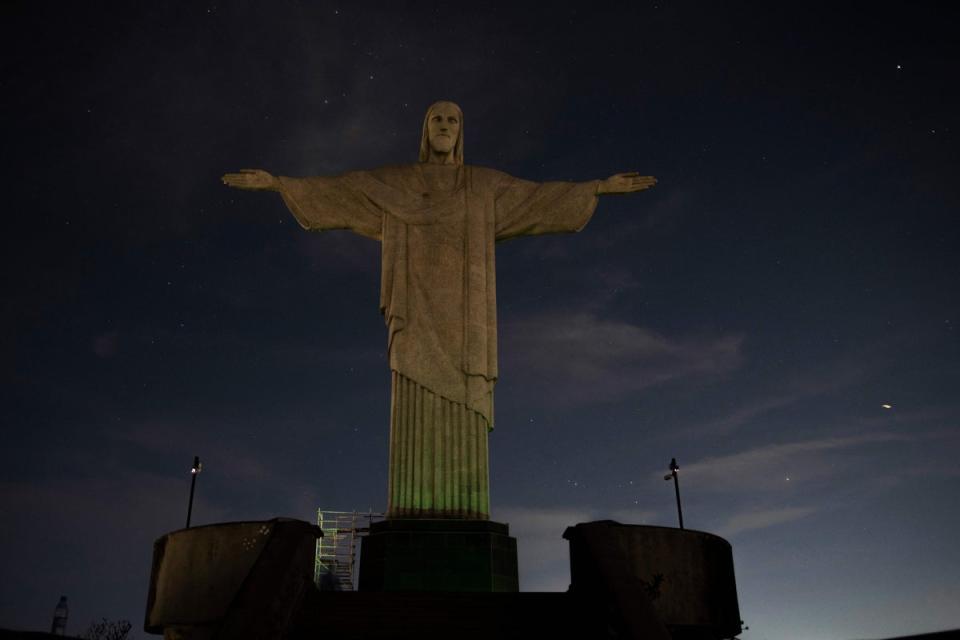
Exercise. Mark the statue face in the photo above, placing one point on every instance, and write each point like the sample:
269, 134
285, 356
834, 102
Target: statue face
443, 127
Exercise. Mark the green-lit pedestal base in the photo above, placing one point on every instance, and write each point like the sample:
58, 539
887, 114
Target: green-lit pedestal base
438, 555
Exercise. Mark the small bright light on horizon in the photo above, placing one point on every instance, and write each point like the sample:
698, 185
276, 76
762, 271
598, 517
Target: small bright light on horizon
887, 406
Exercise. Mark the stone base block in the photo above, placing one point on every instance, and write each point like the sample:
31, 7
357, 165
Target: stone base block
439, 555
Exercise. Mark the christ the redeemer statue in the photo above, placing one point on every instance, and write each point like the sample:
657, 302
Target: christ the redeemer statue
437, 221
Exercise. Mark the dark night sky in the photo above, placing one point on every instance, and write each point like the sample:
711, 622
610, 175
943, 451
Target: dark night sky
795, 269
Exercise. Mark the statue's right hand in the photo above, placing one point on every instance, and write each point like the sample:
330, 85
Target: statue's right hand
252, 180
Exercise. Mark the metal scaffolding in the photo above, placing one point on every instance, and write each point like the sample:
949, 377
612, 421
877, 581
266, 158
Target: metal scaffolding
335, 565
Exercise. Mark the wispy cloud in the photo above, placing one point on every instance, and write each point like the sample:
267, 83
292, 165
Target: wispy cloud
586, 358
746, 469
81, 534
349, 140
762, 518
543, 553
182, 436
785, 393
848, 372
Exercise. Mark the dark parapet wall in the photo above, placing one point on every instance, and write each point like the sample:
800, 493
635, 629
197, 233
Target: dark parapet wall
397, 615
685, 576
233, 580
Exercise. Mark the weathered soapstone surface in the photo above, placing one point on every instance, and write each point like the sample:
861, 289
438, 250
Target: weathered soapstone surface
438, 221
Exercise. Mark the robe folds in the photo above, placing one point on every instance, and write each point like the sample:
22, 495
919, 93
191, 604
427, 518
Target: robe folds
438, 295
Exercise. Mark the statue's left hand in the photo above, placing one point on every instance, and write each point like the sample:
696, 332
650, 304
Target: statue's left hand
251, 180
625, 183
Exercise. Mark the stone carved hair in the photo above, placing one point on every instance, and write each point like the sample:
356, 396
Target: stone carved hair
425, 136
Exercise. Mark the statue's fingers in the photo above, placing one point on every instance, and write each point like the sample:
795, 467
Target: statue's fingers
248, 171
236, 180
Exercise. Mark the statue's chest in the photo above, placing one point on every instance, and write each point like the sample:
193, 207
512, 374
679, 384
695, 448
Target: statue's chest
438, 180
437, 240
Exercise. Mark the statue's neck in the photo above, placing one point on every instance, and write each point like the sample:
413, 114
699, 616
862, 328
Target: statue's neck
439, 177
438, 157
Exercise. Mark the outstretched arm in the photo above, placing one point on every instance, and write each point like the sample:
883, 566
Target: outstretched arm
318, 203
252, 180
625, 183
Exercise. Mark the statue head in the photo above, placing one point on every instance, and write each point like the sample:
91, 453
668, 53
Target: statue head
442, 133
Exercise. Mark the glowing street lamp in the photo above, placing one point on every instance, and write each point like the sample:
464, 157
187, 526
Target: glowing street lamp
194, 472
674, 467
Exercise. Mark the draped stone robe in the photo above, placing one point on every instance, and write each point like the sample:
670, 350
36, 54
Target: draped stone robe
438, 298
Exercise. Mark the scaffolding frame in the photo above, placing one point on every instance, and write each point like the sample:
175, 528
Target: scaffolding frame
335, 565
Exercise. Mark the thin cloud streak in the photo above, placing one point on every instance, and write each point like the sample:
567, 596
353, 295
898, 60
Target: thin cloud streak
761, 519
584, 358
741, 470
789, 393
543, 553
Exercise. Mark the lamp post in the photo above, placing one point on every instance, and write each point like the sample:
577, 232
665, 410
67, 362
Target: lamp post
674, 467
194, 472
59, 626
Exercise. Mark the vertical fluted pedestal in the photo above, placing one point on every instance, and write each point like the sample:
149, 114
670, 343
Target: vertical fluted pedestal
439, 464
438, 555
437, 536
